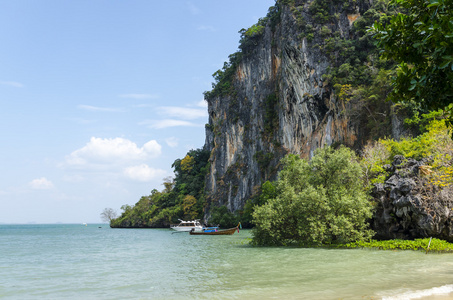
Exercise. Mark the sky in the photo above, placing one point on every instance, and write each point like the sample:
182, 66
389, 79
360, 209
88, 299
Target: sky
99, 97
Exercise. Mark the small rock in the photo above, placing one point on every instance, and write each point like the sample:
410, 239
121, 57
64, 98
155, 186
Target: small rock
402, 202
388, 168
392, 181
405, 185
379, 189
394, 194
398, 160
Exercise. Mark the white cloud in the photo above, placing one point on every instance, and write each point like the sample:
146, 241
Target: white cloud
113, 151
41, 184
172, 142
12, 83
143, 173
185, 113
102, 109
139, 96
203, 104
160, 124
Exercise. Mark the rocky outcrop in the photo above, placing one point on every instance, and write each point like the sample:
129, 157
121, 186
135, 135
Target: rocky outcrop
278, 100
408, 206
280, 104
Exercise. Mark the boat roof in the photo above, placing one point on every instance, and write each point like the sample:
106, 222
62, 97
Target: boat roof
192, 221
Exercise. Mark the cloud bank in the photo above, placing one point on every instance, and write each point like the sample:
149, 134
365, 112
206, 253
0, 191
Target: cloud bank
185, 113
41, 184
143, 173
117, 157
113, 151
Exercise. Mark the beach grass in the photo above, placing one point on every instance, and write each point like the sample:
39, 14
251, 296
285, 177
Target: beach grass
426, 244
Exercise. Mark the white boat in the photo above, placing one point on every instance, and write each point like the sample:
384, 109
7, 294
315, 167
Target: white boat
188, 226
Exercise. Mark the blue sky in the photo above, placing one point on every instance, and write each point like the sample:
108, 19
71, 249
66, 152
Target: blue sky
98, 98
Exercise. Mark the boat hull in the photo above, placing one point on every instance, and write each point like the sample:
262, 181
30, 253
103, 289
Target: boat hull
187, 226
187, 229
220, 232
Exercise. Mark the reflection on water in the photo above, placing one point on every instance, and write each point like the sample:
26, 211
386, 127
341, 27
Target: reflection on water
71, 261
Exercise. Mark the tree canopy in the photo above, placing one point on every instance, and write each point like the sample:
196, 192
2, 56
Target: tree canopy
316, 202
420, 40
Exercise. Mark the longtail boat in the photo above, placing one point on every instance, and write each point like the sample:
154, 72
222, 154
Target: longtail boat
229, 231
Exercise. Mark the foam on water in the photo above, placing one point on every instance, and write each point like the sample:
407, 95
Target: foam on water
420, 294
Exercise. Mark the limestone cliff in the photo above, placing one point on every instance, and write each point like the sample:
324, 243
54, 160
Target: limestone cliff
279, 101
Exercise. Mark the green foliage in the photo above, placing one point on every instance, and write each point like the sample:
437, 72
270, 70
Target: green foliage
424, 145
318, 202
187, 163
361, 80
435, 143
268, 191
189, 207
254, 30
223, 217
320, 10
287, 2
224, 77
263, 159
421, 117
374, 156
181, 198
249, 38
436, 245
420, 40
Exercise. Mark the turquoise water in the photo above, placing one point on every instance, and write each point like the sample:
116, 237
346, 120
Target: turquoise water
88, 262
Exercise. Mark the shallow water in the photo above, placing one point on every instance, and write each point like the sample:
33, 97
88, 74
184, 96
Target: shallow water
87, 262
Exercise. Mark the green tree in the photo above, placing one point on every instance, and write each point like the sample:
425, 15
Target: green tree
223, 217
187, 163
420, 40
267, 191
189, 203
316, 202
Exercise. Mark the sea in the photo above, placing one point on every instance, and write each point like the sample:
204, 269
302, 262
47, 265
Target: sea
93, 261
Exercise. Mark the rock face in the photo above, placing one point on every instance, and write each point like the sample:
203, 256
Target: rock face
280, 105
279, 102
409, 207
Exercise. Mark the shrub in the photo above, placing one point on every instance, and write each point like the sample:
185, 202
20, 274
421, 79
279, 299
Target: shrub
317, 202
435, 144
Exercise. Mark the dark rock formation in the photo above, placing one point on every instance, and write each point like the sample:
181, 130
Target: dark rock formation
409, 207
280, 104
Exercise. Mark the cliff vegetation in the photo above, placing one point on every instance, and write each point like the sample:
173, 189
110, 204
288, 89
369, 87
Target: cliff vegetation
182, 197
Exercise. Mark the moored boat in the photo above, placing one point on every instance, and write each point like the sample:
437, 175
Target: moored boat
229, 231
194, 225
